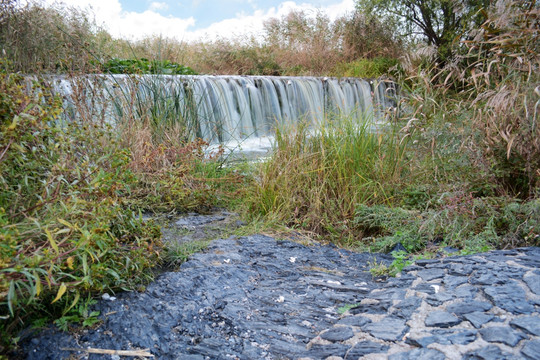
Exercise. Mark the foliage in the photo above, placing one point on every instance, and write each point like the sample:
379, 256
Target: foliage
145, 66
365, 68
367, 37
53, 39
65, 231
441, 23
503, 80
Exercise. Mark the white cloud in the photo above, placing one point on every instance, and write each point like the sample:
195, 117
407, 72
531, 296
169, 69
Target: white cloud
156, 6
132, 25
252, 24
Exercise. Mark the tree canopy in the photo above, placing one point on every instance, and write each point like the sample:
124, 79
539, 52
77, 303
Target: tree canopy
439, 23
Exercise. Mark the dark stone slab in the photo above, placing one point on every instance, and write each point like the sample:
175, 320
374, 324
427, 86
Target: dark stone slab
444, 337
466, 307
431, 274
460, 270
451, 281
531, 349
502, 334
425, 262
425, 288
477, 318
439, 298
380, 308
338, 333
509, 297
389, 328
418, 354
533, 281
529, 324
365, 348
388, 294
465, 291
406, 308
490, 352
318, 351
358, 321
486, 277
441, 319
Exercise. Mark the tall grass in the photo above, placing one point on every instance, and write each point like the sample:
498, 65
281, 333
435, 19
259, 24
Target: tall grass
316, 177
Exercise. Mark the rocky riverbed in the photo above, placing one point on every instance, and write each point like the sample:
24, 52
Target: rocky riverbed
257, 297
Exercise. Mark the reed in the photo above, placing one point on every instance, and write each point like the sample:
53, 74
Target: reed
316, 177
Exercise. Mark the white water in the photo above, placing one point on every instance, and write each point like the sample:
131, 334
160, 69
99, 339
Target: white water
233, 111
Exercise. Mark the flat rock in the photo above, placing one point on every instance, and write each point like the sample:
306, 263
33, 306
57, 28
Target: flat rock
365, 348
357, 320
509, 297
389, 328
478, 318
529, 324
441, 319
502, 334
490, 352
462, 308
418, 354
431, 274
444, 337
338, 333
531, 349
533, 281
257, 298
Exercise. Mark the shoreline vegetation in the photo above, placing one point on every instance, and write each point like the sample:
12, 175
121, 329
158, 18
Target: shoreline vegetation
458, 164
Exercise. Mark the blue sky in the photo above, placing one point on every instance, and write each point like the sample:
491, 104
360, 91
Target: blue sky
193, 20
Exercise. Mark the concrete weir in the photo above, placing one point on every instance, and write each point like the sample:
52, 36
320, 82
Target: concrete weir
224, 110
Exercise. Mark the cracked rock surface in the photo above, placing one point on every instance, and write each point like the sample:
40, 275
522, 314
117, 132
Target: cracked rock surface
258, 298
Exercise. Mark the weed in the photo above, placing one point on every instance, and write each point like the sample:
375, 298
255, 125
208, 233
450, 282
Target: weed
315, 178
176, 254
343, 309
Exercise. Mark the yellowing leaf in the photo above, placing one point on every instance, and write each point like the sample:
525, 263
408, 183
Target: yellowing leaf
13, 124
66, 223
38, 283
61, 291
69, 262
51, 240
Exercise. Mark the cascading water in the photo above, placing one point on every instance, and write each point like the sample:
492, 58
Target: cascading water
226, 110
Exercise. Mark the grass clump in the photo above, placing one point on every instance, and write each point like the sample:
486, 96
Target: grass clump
316, 178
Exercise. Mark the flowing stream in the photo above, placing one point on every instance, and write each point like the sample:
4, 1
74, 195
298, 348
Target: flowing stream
232, 111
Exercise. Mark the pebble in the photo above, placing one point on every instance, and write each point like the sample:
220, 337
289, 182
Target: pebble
283, 300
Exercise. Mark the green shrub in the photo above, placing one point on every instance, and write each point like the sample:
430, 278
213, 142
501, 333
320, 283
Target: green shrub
367, 68
145, 66
65, 231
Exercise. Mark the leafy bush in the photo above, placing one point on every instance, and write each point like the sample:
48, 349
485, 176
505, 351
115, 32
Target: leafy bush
367, 68
145, 66
64, 230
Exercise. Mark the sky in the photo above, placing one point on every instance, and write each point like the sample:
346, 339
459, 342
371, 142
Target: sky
192, 20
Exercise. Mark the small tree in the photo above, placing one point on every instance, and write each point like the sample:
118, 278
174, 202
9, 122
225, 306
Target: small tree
440, 23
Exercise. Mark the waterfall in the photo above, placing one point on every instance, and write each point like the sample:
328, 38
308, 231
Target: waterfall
223, 109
